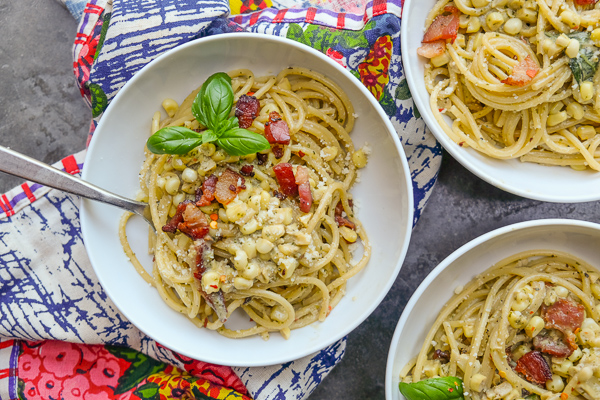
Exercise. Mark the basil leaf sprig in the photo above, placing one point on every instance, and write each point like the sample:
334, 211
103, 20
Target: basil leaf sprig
447, 388
211, 108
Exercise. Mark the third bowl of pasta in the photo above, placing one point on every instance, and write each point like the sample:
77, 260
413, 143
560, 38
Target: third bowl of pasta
510, 89
513, 314
277, 186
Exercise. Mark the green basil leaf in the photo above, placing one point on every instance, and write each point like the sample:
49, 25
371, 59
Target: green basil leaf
216, 100
448, 388
227, 125
241, 142
209, 136
174, 140
198, 109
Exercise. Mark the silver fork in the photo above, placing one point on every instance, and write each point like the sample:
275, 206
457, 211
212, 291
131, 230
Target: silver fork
15, 163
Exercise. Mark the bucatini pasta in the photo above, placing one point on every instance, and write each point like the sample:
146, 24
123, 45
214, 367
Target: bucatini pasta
528, 326
518, 78
272, 232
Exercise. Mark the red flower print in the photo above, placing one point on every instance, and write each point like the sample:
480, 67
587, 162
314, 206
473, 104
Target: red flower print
60, 357
31, 391
29, 366
105, 372
90, 353
336, 56
75, 388
99, 395
49, 385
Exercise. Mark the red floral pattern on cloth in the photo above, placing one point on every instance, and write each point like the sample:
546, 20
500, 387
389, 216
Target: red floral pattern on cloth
374, 71
50, 370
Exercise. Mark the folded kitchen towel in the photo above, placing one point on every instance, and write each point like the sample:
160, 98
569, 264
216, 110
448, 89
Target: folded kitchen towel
59, 333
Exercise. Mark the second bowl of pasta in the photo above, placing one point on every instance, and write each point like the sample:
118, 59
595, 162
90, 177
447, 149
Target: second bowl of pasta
512, 314
276, 184
510, 89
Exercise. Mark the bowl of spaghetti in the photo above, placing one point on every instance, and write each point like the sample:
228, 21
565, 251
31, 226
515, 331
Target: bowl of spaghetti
511, 314
510, 89
277, 186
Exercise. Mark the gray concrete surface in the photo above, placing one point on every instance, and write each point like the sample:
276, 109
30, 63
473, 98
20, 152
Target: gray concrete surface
43, 115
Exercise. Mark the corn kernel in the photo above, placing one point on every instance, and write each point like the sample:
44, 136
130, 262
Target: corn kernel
359, 158
570, 18
288, 266
575, 110
562, 368
527, 15
172, 185
586, 132
516, 319
513, 26
595, 36
170, 106
586, 90
189, 175
555, 384
329, 153
242, 283
348, 234
278, 313
494, 20
236, 210
516, 4
178, 198
263, 246
534, 326
563, 40
557, 118
575, 355
572, 49
251, 271
211, 282
480, 3
463, 21
468, 331
219, 155
474, 25
240, 260
273, 232
440, 60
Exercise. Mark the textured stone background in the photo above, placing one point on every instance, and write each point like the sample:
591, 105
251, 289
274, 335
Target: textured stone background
43, 115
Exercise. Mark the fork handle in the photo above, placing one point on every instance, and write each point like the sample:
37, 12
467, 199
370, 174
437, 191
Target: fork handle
15, 163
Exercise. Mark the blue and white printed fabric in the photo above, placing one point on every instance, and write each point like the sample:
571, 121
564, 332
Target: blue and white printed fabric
48, 289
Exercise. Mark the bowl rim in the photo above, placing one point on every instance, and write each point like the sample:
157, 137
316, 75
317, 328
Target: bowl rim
85, 208
457, 152
465, 248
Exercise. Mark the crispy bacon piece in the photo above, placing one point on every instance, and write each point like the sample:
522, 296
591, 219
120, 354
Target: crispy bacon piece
246, 109
553, 346
188, 219
247, 170
523, 73
207, 192
229, 179
444, 26
534, 367
262, 158
286, 179
215, 300
277, 151
433, 49
276, 129
585, 2
566, 316
441, 355
341, 221
304, 192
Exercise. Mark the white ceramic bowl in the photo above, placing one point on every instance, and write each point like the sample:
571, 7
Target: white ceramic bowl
115, 156
534, 181
576, 237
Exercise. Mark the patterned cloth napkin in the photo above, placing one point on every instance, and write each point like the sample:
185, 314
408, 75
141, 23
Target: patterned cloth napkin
60, 336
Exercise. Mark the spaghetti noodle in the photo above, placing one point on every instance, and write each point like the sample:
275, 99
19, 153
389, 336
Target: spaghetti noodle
527, 326
518, 78
284, 261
